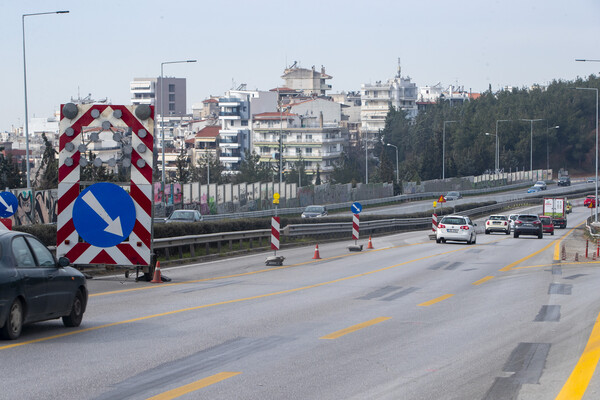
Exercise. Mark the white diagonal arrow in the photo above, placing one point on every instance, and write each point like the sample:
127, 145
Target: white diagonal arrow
113, 227
8, 208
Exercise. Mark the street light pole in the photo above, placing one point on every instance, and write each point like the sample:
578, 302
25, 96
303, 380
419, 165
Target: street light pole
531, 145
498, 143
397, 170
25, 88
162, 114
548, 149
444, 150
496, 158
580, 88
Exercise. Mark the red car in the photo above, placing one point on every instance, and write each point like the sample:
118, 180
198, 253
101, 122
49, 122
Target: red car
590, 199
547, 224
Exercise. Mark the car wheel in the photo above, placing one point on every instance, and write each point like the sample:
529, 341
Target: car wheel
14, 321
76, 315
552, 233
516, 235
508, 232
438, 240
540, 235
474, 240
487, 232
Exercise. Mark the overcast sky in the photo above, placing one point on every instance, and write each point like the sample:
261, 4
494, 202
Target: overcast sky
99, 47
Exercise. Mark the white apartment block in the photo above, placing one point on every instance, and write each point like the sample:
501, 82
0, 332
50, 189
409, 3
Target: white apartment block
377, 98
235, 135
316, 142
168, 97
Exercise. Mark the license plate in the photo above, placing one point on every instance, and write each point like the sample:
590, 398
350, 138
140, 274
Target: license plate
496, 223
527, 224
452, 230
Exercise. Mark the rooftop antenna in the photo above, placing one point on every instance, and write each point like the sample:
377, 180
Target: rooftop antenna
399, 75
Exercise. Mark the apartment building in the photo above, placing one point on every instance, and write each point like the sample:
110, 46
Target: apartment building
235, 111
167, 95
377, 98
309, 81
305, 135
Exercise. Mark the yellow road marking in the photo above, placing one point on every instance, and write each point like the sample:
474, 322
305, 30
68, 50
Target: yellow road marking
482, 280
579, 379
244, 273
557, 247
354, 328
192, 387
436, 300
512, 265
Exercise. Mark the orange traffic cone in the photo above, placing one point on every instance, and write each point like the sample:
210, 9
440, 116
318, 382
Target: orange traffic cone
370, 245
317, 256
157, 277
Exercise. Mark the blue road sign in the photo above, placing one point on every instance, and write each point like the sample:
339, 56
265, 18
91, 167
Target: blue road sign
356, 208
104, 214
8, 204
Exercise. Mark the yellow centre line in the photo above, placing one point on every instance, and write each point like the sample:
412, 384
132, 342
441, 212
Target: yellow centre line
483, 280
260, 296
579, 380
436, 300
355, 328
192, 387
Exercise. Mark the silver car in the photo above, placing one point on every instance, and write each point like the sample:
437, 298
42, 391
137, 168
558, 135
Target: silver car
456, 228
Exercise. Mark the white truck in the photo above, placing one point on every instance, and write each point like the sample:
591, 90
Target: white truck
555, 207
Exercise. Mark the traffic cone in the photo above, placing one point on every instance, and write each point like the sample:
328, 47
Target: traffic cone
370, 245
157, 278
317, 256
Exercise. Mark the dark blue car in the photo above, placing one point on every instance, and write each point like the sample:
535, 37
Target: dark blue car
34, 286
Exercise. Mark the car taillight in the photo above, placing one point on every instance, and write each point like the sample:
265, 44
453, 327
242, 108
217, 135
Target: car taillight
536, 222
518, 222
465, 227
505, 223
441, 226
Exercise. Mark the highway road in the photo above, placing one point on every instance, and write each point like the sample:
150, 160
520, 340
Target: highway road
410, 319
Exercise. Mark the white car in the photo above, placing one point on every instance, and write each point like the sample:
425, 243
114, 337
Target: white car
540, 184
456, 228
511, 221
497, 223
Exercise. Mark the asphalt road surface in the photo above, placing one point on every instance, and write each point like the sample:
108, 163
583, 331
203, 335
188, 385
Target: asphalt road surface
410, 319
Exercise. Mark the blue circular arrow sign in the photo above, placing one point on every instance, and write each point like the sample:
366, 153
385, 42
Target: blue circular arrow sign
104, 214
8, 204
356, 207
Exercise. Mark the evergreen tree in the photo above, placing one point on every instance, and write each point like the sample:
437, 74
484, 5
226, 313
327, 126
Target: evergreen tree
47, 175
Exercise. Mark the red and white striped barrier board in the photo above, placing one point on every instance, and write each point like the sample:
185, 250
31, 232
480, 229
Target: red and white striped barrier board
275, 224
108, 120
6, 224
434, 222
355, 225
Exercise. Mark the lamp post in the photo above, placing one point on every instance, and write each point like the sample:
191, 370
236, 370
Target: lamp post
397, 170
444, 150
580, 88
548, 149
162, 114
531, 145
25, 88
498, 144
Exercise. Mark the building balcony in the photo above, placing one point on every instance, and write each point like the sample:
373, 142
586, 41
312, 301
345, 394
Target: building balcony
230, 102
148, 101
229, 160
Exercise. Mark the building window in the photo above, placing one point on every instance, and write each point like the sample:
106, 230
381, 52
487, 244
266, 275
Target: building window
171, 88
171, 106
298, 151
245, 123
171, 97
309, 151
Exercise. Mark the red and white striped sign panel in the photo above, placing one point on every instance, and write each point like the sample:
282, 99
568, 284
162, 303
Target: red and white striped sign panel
275, 224
355, 225
108, 120
434, 222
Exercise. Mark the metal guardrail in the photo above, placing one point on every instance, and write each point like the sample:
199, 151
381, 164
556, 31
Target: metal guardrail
173, 245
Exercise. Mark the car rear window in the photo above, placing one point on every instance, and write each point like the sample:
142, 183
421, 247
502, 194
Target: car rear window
527, 217
454, 221
546, 220
498, 218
